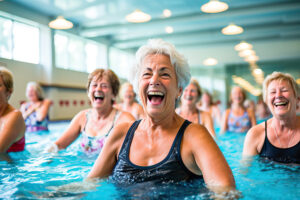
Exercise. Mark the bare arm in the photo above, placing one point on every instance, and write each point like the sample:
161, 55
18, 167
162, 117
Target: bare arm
252, 117
217, 114
43, 109
208, 123
72, 131
108, 157
206, 157
224, 125
12, 129
253, 141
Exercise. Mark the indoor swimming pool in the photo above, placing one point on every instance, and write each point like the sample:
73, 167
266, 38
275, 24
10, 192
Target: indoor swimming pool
34, 174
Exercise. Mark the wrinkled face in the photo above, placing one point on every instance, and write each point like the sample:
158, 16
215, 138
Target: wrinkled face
190, 95
281, 98
100, 92
237, 95
128, 94
31, 94
4, 94
158, 88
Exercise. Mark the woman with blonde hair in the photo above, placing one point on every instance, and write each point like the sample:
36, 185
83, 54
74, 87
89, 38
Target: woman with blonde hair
277, 138
12, 126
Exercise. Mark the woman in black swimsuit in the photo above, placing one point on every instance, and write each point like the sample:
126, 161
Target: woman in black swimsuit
162, 147
278, 138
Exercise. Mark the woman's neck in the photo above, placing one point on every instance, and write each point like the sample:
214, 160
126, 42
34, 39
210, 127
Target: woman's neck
3, 108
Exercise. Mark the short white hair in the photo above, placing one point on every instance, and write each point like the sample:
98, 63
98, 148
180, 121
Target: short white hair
159, 46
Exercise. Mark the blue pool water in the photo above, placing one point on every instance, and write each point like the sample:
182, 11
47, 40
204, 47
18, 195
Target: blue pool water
34, 174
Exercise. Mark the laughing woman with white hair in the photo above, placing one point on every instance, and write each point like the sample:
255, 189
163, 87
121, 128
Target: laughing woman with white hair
162, 147
278, 138
12, 126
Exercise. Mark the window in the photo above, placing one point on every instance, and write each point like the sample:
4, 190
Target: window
121, 62
19, 41
79, 54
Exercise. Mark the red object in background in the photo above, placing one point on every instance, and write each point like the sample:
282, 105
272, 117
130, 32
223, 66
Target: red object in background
67, 102
61, 102
74, 102
218, 102
51, 103
89, 102
82, 102
22, 101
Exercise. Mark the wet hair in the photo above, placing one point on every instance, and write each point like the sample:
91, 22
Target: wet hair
159, 46
111, 77
7, 78
38, 90
196, 84
279, 76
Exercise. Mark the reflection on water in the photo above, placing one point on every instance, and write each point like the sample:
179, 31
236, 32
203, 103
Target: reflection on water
33, 174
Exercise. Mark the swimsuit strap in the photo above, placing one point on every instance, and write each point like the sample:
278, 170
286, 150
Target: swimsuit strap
117, 114
199, 117
87, 118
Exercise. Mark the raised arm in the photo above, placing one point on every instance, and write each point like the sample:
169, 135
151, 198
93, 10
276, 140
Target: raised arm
12, 129
43, 109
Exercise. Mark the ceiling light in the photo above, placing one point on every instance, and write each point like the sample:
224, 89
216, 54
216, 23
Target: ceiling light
210, 61
60, 23
167, 13
232, 29
138, 17
252, 58
169, 29
246, 53
214, 6
243, 46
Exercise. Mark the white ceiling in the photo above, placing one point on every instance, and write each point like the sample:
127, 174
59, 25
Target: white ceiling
264, 21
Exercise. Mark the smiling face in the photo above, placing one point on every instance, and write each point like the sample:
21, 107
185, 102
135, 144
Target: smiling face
32, 94
158, 85
100, 92
128, 94
281, 99
190, 95
237, 95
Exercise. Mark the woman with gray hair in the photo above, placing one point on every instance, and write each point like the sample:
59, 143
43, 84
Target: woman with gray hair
278, 138
162, 147
12, 126
35, 111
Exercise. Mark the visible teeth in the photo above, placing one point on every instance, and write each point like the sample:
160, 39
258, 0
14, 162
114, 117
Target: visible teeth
156, 93
99, 96
280, 103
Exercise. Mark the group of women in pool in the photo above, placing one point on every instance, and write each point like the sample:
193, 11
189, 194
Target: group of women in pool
156, 142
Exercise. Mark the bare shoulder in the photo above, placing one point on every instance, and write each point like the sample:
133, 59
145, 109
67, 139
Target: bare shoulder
256, 131
118, 134
196, 131
125, 117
